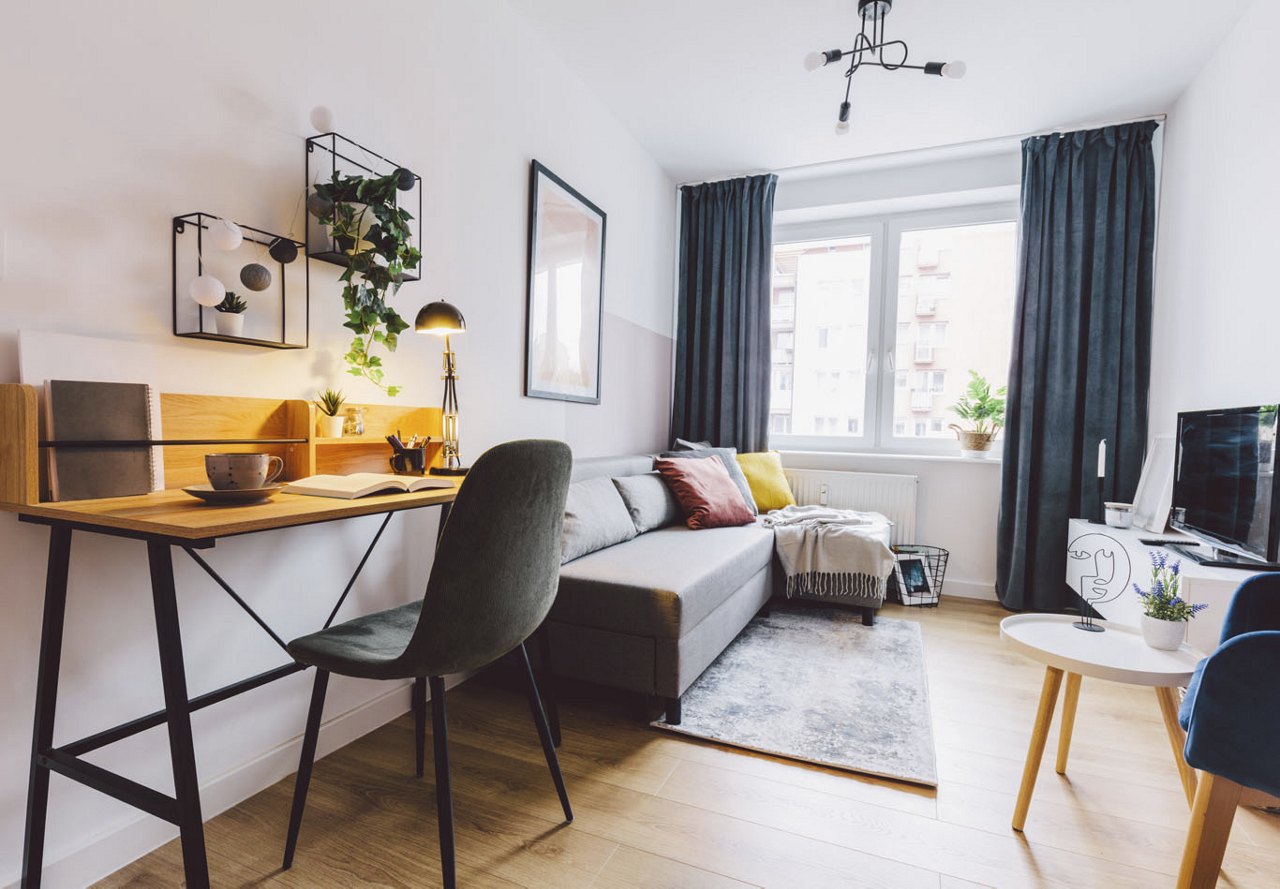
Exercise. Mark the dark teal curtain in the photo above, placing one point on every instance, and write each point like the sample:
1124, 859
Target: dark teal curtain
722, 336
1081, 359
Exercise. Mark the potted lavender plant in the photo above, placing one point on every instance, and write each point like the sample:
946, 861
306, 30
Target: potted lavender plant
1164, 612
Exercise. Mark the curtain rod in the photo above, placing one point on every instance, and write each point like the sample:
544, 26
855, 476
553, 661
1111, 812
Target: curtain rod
814, 168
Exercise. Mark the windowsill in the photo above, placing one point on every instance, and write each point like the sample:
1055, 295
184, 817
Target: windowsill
890, 456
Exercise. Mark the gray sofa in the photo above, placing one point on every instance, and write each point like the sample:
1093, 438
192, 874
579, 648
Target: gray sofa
651, 613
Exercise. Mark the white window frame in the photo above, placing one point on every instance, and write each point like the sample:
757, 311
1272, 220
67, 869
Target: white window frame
885, 233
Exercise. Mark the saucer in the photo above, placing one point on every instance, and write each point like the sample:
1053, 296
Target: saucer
210, 494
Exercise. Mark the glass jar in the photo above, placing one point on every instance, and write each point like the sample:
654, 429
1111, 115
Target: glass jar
353, 421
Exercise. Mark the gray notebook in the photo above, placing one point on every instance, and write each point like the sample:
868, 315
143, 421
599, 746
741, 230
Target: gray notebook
77, 410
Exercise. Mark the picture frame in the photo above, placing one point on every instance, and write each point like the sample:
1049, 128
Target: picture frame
564, 320
1154, 497
914, 580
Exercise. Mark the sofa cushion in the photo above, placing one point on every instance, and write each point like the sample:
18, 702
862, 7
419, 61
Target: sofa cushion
728, 456
663, 583
594, 517
649, 500
707, 495
767, 481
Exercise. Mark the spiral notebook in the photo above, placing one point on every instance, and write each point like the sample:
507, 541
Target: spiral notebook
82, 410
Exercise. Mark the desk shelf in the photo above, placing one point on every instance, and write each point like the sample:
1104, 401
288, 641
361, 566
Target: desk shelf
285, 428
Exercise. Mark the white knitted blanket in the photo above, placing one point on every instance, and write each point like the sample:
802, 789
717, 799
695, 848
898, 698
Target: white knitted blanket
832, 552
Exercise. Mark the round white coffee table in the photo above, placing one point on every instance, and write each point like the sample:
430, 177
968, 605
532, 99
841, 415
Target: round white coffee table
1118, 654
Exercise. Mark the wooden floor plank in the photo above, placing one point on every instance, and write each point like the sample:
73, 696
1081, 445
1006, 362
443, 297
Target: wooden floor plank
659, 810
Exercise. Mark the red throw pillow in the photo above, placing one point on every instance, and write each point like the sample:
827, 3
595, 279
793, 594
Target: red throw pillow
706, 493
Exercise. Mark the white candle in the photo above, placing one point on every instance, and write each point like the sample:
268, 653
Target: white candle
1102, 458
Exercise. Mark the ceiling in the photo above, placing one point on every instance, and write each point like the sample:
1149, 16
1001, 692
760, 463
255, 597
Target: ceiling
717, 87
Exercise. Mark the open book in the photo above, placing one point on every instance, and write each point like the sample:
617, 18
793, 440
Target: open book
362, 484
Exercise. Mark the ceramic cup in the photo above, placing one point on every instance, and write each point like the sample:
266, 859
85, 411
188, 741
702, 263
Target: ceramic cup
242, 472
409, 461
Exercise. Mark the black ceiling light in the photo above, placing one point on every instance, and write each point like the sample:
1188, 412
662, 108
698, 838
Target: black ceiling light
871, 48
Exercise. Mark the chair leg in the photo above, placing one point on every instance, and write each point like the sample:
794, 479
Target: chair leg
420, 723
548, 682
444, 793
544, 735
1211, 817
305, 763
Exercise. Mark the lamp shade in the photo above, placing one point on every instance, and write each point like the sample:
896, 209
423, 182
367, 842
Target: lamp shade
439, 318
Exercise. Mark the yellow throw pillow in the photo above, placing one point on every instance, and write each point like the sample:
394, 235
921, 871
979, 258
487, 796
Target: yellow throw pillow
764, 476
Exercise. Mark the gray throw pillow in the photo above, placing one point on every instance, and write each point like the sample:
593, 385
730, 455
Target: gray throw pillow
728, 456
684, 445
649, 500
594, 517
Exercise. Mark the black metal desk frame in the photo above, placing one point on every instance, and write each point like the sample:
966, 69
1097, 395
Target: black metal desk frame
183, 808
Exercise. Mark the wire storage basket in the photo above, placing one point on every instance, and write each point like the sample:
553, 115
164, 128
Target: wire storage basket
918, 573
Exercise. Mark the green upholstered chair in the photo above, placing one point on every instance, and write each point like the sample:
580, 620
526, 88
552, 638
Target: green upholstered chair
495, 575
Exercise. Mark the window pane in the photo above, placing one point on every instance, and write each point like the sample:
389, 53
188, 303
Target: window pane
955, 314
820, 336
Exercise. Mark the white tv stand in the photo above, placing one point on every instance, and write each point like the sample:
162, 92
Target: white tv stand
1112, 560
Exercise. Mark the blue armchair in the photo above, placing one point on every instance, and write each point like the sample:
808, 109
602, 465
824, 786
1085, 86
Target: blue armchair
1232, 717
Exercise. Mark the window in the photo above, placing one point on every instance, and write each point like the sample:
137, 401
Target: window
877, 323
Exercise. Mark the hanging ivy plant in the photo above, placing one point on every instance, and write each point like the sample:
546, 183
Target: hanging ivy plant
373, 232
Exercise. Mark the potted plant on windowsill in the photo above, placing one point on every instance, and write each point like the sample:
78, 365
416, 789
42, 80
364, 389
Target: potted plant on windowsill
230, 317
372, 230
983, 412
330, 421
1164, 612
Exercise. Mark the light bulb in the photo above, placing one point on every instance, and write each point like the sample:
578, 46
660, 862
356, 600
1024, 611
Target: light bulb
814, 60
322, 119
207, 290
225, 234
954, 70
842, 127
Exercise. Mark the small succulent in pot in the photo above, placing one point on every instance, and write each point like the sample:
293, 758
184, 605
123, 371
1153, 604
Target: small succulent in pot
230, 317
329, 403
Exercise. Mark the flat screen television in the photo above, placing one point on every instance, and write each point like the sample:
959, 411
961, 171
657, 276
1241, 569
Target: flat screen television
1224, 488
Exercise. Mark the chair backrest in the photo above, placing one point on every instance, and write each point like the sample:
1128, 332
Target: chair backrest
497, 565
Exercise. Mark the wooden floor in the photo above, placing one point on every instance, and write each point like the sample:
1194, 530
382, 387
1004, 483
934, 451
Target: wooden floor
658, 810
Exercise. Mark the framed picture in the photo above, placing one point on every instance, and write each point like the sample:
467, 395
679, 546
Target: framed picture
913, 578
566, 286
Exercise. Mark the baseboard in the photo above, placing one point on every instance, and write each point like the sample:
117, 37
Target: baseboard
106, 854
969, 589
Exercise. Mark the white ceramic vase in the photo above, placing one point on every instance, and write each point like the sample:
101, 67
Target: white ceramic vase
230, 323
331, 427
1165, 635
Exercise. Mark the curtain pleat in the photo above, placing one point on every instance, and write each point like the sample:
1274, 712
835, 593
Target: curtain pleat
722, 338
1080, 368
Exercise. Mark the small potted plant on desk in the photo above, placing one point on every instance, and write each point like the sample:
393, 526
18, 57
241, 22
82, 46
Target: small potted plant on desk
231, 315
329, 403
1164, 612
983, 410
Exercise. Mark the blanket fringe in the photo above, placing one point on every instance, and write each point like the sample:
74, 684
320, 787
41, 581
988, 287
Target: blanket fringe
825, 583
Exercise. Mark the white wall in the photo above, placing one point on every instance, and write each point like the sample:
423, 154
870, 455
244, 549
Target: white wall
959, 500
1217, 306
118, 117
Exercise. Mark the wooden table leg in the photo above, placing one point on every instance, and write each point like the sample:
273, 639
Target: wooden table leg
1168, 700
1069, 701
1035, 752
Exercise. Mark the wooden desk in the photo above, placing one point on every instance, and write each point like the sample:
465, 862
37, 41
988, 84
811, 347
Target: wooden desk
164, 519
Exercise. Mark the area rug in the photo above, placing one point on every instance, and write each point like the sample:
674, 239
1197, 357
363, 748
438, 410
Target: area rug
815, 685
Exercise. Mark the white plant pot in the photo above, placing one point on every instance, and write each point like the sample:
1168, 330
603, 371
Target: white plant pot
230, 323
331, 427
1165, 635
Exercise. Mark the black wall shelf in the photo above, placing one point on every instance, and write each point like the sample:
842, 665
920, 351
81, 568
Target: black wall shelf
287, 327
331, 153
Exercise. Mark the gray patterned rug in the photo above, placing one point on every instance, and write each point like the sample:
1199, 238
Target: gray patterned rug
813, 684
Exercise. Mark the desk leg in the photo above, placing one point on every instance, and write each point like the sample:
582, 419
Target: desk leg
173, 676
1035, 752
1068, 723
1168, 700
55, 609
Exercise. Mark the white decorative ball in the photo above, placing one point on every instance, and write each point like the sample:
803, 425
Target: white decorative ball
207, 290
322, 119
225, 234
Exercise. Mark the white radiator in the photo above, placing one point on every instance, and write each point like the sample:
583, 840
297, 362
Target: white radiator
892, 495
